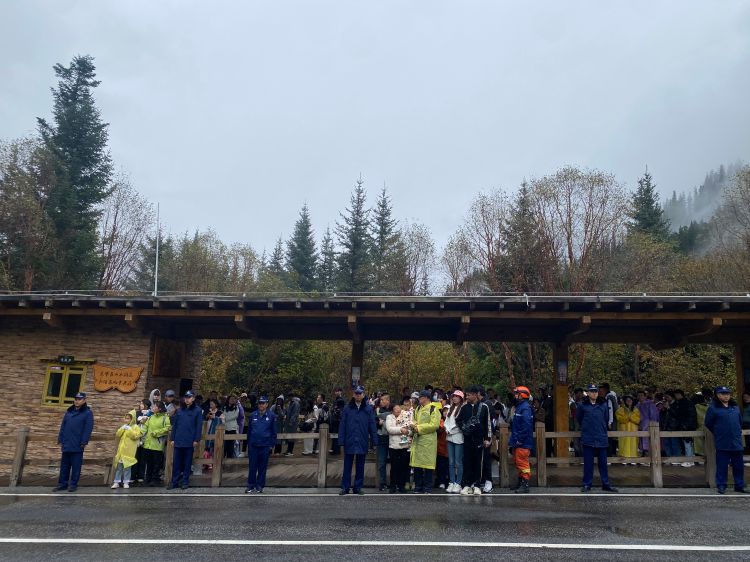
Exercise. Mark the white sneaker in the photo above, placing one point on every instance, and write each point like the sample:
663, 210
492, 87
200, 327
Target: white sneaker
487, 487
126, 485
466, 491
687, 464
477, 491
115, 485
442, 486
456, 488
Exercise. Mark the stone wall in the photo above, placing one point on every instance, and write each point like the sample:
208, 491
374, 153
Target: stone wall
24, 342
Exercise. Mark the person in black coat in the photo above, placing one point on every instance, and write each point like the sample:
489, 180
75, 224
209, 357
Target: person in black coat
593, 417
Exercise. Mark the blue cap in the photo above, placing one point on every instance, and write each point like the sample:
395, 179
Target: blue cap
263, 399
425, 394
722, 390
189, 394
592, 386
359, 390
80, 396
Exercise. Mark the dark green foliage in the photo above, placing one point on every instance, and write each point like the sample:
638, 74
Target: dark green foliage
647, 215
353, 233
327, 264
78, 139
386, 245
693, 238
142, 278
301, 254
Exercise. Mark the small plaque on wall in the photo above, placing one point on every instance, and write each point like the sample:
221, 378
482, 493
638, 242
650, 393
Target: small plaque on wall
108, 378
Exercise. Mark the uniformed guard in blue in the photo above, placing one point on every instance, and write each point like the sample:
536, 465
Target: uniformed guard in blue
593, 417
187, 426
724, 420
261, 438
75, 432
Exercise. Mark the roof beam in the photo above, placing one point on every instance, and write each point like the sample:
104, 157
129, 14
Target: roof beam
583, 326
52, 320
244, 326
463, 329
133, 321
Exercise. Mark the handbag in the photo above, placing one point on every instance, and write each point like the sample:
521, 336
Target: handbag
473, 423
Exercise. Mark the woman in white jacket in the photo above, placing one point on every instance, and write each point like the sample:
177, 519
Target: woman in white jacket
399, 441
455, 444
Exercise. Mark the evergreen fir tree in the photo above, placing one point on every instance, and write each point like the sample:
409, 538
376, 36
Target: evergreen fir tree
276, 263
646, 213
78, 138
385, 237
327, 264
301, 254
354, 265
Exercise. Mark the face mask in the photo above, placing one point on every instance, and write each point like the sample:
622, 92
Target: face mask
434, 397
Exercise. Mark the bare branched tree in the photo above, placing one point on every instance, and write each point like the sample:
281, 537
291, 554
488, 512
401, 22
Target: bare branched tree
419, 259
580, 218
126, 221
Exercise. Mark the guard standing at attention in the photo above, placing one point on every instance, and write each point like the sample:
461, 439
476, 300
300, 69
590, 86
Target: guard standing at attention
593, 417
261, 438
724, 420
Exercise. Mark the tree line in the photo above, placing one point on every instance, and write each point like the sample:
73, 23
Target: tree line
68, 221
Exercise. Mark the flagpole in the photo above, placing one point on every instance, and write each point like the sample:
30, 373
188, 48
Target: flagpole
156, 268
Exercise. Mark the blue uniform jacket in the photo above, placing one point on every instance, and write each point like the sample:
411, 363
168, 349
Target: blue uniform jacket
75, 429
186, 426
357, 425
726, 425
261, 429
522, 434
593, 419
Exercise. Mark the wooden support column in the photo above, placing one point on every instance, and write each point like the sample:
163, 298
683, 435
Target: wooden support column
323, 455
358, 355
219, 445
19, 459
560, 397
742, 365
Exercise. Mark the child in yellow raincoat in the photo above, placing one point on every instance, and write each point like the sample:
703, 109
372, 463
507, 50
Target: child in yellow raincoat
129, 434
628, 418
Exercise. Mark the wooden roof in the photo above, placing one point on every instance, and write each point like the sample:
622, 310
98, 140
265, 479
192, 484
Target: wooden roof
664, 320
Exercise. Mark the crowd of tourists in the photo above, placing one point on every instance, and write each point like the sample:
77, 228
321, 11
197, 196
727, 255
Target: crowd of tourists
430, 438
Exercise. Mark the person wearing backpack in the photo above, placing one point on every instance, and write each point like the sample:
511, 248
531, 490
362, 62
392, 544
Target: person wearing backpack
455, 439
424, 425
474, 421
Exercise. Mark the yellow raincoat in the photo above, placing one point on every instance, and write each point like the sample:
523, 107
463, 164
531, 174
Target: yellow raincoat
128, 445
424, 446
628, 420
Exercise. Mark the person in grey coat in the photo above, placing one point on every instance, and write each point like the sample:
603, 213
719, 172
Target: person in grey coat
291, 423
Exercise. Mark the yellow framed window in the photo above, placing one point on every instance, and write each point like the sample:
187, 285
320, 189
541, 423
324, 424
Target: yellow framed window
62, 383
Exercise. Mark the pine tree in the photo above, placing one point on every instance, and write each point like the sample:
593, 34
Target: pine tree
276, 263
142, 276
646, 213
327, 264
78, 138
301, 254
354, 265
385, 237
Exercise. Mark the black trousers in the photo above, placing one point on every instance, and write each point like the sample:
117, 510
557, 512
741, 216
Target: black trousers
399, 468
472, 465
486, 464
153, 460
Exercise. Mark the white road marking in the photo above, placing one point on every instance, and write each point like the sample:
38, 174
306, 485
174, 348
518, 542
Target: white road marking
180, 494
440, 544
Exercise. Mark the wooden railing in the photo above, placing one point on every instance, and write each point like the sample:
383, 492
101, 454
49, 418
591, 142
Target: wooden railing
654, 460
499, 449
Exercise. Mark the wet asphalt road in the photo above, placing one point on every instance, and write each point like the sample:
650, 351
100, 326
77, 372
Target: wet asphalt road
574, 519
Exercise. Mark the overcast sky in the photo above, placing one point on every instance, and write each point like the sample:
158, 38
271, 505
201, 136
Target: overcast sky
233, 114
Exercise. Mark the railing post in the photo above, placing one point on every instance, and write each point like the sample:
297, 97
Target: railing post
503, 454
541, 456
168, 461
709, 446
19, 458
109, 475
654, 438
323, 455
218, 457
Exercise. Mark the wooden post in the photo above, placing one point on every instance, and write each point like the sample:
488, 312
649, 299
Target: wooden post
654, 438
19, 458
541, 456
109, 476
503, 454
742, 366
358, 354
710, 451
218, 456
323, 455
560, 397
168, 461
